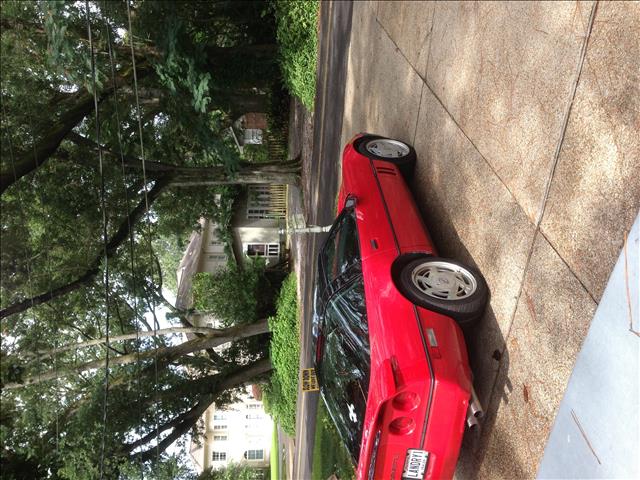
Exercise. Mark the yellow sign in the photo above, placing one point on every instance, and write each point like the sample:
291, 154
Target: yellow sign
309, 380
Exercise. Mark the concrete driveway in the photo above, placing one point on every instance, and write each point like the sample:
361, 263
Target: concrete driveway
526, 121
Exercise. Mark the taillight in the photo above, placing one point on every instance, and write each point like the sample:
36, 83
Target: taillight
406, 401
402, 426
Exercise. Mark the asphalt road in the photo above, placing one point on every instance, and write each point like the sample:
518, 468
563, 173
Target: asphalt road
320, 187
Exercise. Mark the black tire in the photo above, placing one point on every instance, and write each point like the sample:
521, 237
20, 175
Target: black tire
406, 163
466, 310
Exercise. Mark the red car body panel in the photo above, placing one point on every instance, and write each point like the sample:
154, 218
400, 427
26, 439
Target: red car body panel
412, 349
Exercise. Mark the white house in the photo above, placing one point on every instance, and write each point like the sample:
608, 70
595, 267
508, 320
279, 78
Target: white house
258, 220
242, 431
239, 433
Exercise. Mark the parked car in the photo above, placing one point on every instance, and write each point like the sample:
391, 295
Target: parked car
390, 354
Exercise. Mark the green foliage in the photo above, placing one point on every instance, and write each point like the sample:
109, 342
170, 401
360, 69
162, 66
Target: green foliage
223, 214
298, 40
51, 218
236, 471
255, 153
234, 295
281, 392
330, 456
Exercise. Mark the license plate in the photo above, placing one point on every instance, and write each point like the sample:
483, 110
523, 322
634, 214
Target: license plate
415, 464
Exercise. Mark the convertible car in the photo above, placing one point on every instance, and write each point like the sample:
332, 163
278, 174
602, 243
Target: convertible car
390, 354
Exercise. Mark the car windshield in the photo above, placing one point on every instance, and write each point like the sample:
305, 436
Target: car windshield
341, 249
345, 367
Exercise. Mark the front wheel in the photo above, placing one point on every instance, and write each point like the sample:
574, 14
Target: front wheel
445, 286
389, 150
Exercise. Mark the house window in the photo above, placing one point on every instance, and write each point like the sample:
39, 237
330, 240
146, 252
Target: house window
220, 438
219, 427
263, 249
254, 454
219, 456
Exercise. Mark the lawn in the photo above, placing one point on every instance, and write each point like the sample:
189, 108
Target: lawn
329, 453
281, 392
297, 35
275, 455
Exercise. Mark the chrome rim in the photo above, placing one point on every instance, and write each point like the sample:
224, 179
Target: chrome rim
386, 148
444, 280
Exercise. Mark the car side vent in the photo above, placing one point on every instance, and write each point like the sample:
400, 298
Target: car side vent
386, 171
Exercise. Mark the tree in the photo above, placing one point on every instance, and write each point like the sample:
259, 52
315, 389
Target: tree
175, 61
86, 196
237, 294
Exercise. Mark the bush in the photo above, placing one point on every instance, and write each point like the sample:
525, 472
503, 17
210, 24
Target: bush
235, 295
281, 393
255, 153
298, 40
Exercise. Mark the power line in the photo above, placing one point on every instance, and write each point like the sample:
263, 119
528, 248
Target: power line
144, 177
131, 233
49, 274
104, 240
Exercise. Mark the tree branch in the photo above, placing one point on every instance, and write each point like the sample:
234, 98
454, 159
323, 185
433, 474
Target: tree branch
32, 158
165, 354
94, 268
222, 382
196, 411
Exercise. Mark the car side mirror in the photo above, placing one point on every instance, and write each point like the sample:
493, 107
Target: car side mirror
350, 202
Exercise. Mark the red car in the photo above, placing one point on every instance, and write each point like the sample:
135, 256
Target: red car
390, 355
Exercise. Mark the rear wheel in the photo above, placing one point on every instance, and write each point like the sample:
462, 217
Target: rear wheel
445, 286
389, 150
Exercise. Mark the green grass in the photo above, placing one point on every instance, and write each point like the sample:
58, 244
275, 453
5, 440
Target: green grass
281, 392
329, 453
275, 455
298, 40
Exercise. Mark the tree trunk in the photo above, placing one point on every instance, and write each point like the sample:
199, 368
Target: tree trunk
237, 104
207, 331
227, 335
282, 173
243, 66
248, 173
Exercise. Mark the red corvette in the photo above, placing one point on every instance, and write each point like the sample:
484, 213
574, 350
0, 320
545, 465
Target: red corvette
390, 354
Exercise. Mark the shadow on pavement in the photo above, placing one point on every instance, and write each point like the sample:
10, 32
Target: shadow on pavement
488, 353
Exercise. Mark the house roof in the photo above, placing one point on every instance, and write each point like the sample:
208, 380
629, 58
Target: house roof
188, 268
256, 391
